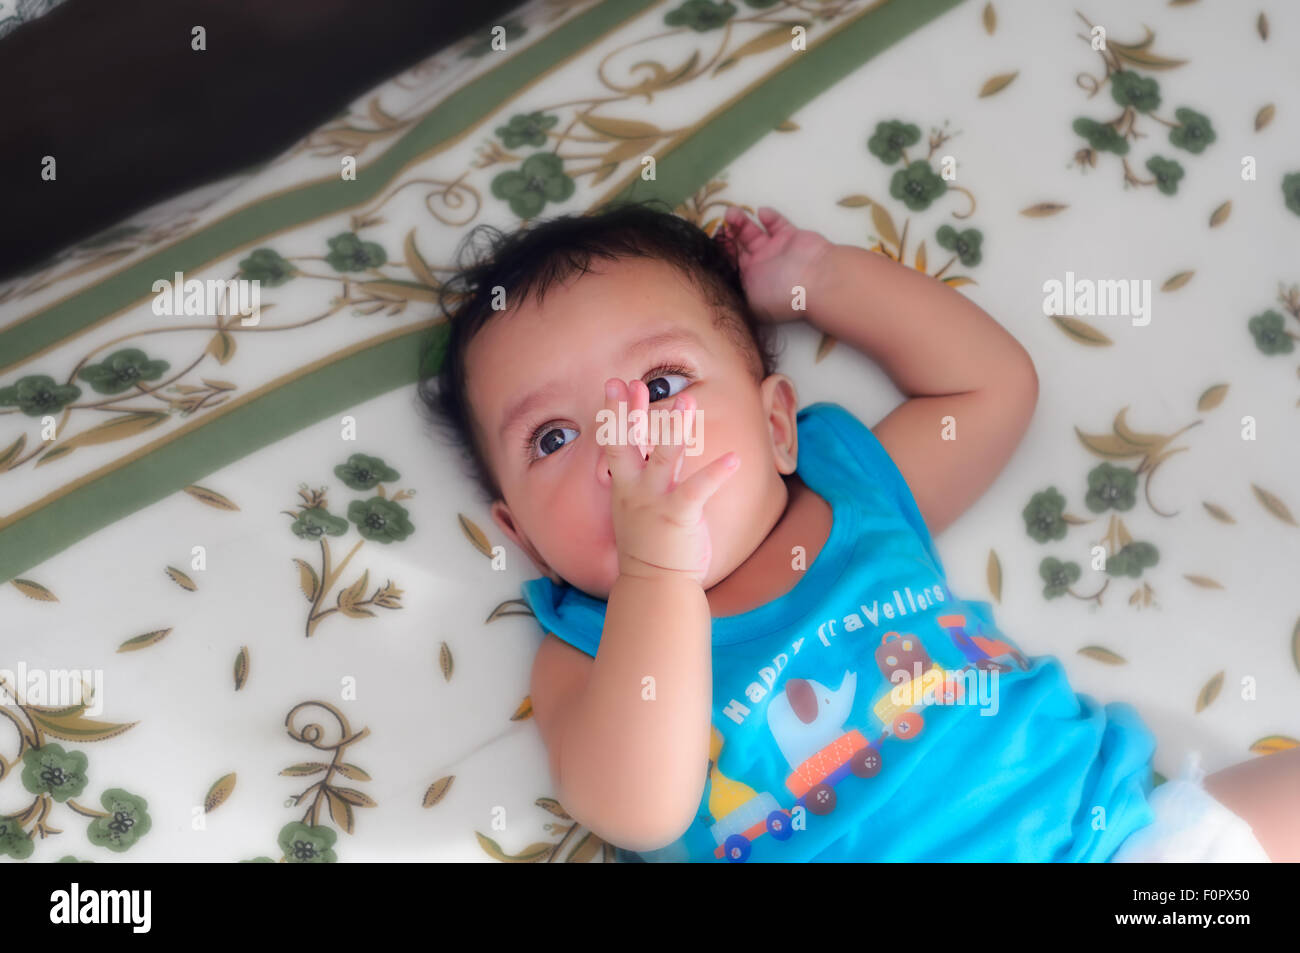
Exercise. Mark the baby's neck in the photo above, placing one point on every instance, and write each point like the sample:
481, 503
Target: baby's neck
767, 574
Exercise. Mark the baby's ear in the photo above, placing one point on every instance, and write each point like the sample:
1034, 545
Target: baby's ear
503, 518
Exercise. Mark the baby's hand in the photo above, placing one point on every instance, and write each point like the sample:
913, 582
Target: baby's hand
659, 524
772, 262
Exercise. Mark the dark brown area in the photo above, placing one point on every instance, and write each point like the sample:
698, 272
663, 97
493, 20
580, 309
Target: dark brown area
134, 116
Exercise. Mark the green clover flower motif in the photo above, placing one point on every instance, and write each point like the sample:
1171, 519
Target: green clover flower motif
350, 253
307, 845
700, 15
917, 186
1291, 191
266, 266
513, 31
891, 138
761, 4
1043, 515
1167, 173
1058, 575
1132, 559
381, 520
1141, 92
1194, 133
120, 370
965, 243
14, 841
1270, 333
526, 129
1101, 136
38, 394
69, 859
51, 770
1110, 487
126, 823
363, 473
539, 180
258, 860
315, 522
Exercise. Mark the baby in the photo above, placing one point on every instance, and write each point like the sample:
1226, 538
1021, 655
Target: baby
751, 651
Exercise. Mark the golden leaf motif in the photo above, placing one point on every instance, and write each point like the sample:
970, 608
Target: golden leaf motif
779, 35
824, 347
585, 849
304, 769
308, 581
391, 290
353, 772
144, 641
445, 661
522, 608
786, 125
12, 451
1264, 116
437, 790
883, 223
1273, 504
73, 726
241, 667
475, 535
182, 580
1219, 513
222, 347
958, 280
218, 793
1142, 57
995, 575
1204, 582
1081, 331
921, 261
1209, 693
1043, 209
1100, 654
1212, 397
353, 593
525, 709
990, 19
210, 497
34, 590
416, 263
119, 428
1221, 214
531, 854
612, 128
554, 807
854, 201
340, 810
1272, 744
1262, 25
995, 84
355, 797
1177, 281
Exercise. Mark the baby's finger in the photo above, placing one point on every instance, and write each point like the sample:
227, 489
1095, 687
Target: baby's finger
665, 458
743, 228
624, 459
695, 492
772, 220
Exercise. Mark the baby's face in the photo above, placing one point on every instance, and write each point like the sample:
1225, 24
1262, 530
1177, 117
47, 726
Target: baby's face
616, 321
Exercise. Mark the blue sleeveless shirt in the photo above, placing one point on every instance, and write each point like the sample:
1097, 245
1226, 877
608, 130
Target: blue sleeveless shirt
870, 715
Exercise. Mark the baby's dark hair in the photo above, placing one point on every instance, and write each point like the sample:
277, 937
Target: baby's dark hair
530, 260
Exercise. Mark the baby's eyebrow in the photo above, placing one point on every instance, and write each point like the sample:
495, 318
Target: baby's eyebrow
526, 404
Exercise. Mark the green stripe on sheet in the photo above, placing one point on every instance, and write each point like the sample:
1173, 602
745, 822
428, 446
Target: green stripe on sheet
460, 111
217, 441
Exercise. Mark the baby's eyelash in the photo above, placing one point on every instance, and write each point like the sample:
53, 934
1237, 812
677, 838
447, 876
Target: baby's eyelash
530, 436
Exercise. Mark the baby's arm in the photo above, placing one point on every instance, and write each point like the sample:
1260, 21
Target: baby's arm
948, 356
631, 767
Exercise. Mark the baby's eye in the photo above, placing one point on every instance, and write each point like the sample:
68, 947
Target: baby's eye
550, 439
660, 389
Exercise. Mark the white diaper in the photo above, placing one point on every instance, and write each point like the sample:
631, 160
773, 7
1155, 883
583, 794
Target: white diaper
1190, 827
